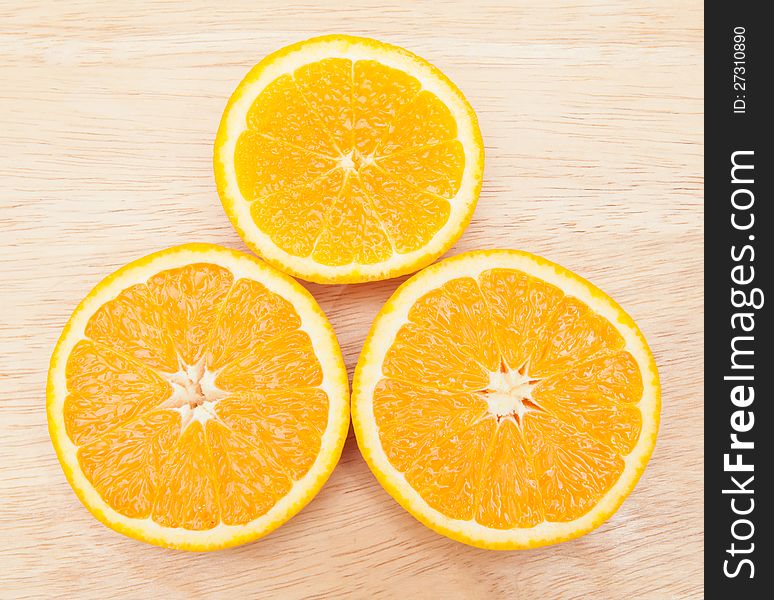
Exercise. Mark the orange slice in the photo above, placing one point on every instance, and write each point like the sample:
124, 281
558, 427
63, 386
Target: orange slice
342, 159
197, 399
504, 401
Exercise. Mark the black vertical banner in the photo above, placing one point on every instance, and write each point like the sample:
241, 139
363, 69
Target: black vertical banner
739, 429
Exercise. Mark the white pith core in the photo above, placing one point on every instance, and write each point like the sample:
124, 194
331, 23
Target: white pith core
354, 161
509, 394
194, 393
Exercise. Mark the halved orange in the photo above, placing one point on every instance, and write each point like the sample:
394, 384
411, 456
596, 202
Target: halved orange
342, 159
197, 398
504, 401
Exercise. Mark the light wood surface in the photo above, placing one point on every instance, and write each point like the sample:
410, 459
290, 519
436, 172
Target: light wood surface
592, 114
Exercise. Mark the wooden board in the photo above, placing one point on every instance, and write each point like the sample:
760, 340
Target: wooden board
592, 113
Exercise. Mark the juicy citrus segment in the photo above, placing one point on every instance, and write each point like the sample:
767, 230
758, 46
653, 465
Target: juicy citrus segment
393, 199
294, 216
574, 335
252, 315
189, 299
434, 169
281, 113
290, 424
132, 324
264, 166
573, 470
413, 420
505, 401
197, 398
249, 479
453, 311
353, 233
379, 93
597, 398
520, 307
448, 477
287, 362
343, 159
187, 494
417, 357
446, 344
107, 389
125, 464
508, 492
425, 121
327, 86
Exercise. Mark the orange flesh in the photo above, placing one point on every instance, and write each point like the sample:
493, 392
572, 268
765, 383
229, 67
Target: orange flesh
216, 456
508, 402
349, 162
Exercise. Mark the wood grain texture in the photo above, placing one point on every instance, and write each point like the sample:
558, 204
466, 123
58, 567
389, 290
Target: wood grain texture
592, 114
